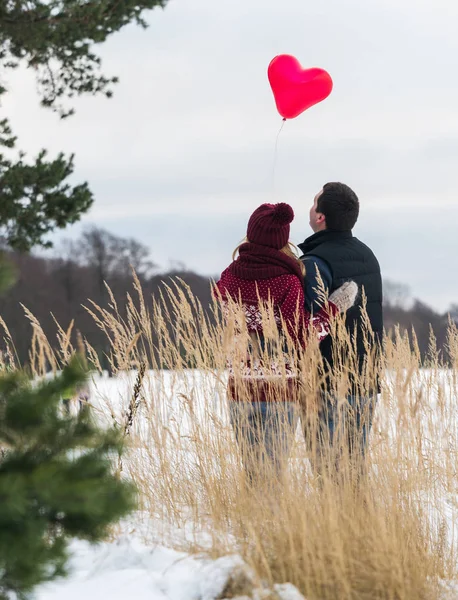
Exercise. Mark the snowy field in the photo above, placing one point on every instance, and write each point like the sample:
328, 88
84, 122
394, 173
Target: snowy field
128, 568
140, 562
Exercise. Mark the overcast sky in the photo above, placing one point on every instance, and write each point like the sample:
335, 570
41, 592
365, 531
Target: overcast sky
184, 151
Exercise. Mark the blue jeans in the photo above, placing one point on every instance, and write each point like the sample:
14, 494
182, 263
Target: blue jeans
264, 432
340, 432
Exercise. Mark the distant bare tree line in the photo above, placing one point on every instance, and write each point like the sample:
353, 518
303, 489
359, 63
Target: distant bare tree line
60, 286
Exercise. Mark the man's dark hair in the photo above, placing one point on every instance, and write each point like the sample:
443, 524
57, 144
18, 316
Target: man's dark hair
340, 205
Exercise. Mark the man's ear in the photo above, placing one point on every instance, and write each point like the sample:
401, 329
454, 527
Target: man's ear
320, 218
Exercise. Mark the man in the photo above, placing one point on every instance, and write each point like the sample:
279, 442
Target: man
337, 256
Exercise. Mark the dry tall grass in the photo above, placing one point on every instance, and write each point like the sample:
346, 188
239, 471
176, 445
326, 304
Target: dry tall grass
387, 533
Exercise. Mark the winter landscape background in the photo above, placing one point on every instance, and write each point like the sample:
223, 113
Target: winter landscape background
175, 162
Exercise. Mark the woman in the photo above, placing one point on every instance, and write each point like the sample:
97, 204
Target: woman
266, 280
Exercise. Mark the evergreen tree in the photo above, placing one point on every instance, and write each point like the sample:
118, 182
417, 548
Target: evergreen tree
56, 39
35, 198
56, 480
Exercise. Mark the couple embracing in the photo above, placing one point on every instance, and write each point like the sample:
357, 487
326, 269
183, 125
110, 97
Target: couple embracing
336, 274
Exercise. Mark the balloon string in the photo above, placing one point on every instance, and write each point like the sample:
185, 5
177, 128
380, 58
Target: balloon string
274, 167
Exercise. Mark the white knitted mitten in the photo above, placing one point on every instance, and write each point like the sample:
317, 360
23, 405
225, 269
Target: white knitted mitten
345, 296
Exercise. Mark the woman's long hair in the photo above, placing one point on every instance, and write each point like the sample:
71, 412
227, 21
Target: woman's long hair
290, 250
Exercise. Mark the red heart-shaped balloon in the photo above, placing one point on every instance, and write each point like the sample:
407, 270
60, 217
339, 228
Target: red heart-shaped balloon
296, 89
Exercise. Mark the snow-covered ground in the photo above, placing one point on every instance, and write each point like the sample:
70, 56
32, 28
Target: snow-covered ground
128, 568
139, 564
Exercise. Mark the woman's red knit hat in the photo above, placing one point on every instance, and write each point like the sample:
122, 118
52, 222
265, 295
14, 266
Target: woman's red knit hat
269, 225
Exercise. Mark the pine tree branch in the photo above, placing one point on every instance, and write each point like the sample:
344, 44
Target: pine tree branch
32, 17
